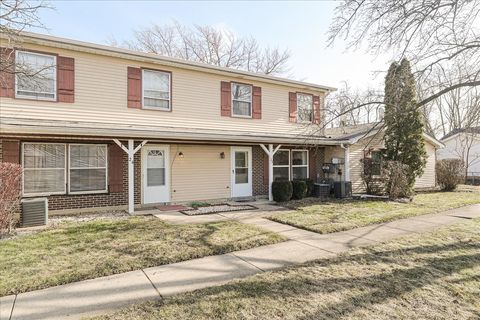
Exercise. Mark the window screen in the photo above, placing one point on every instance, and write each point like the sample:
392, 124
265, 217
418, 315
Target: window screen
88, 168
44, 168
35, 75
242, 100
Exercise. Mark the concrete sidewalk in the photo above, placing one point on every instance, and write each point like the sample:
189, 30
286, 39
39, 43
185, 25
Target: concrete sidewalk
101, 295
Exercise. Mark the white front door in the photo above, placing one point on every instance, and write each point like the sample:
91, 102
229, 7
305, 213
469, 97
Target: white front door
241, 171
155, 174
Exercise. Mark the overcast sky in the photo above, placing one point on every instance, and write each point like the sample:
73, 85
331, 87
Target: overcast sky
299, 26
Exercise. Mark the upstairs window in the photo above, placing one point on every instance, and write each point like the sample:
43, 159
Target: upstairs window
35, 76
304, 107
241, 100
156, 89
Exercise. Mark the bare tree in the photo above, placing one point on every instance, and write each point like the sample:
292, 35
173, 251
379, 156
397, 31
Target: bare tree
208, 45
342, 108
432, 34
15, 17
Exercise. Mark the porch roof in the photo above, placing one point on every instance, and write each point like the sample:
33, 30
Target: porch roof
100, 130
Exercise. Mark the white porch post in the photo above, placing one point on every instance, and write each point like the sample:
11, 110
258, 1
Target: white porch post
270, 153
131, 173
347, 163
131, 177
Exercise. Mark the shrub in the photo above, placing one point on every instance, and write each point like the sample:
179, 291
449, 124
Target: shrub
449, 173
10, 193
395, 175
310, 187
282, 190
373, 181
299, 189
198, 204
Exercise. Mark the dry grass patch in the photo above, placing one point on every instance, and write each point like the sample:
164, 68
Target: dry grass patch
327, 217
78, 251
432, 276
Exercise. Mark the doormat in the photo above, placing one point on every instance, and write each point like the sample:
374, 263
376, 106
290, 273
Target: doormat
217, 209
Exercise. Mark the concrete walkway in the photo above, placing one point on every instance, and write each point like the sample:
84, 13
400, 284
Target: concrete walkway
101, 295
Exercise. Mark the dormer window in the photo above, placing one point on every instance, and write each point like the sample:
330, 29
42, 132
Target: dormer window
156, 89
304, 107
35, 76
241, 100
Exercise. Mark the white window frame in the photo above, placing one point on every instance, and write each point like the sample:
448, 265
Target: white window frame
232, 100
169, 91
301, 165
54, 78
35, 194
70, 167
313, 108
285, 165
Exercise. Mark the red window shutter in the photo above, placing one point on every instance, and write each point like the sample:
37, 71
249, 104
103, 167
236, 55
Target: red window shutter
7, 74
316, 109
11, 151
115, 168
312, 165
265, 169
257, 103
292, 106
66, 79
134, 87
226, 99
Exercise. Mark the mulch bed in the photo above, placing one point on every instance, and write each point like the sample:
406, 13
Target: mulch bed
217, 209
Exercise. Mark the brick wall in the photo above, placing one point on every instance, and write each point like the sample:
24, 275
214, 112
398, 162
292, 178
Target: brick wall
259, 188
61, 202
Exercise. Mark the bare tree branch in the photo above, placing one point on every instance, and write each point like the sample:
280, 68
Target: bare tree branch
208, 45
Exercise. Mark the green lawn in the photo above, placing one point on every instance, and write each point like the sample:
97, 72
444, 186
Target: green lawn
327, 217
430, 276
79, 251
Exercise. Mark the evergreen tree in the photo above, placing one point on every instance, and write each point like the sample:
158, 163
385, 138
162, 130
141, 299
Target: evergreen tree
403, 120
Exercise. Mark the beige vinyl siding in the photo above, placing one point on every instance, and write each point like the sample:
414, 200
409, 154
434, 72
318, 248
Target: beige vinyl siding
201, 174
428, 178
101, 96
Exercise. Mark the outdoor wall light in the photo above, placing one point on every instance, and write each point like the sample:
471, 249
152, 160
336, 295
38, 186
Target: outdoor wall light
222, 155
180, 155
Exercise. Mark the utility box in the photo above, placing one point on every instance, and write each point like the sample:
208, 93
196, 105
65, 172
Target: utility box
34, 212
321, 190
342, 189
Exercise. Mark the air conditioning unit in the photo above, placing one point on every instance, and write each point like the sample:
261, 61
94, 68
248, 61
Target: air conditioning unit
34, 212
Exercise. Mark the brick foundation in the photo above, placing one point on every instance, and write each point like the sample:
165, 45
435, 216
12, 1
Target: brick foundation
259, 188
